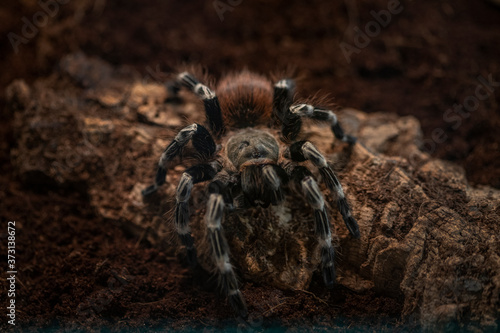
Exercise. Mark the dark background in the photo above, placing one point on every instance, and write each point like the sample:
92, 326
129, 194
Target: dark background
426, 60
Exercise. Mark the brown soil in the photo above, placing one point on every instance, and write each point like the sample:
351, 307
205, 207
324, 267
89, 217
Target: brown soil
72, 262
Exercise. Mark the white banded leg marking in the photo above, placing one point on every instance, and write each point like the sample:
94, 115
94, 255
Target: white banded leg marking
210, 101
304, 150
180, 140
282, 99
181, 217
282, 84
203, 91
309, 111
187, 80
311, 153
172, 150
213, 219
182, 196
322, 229
202, 142
316, 201
198, 88
303, 110
312, 193
191, 176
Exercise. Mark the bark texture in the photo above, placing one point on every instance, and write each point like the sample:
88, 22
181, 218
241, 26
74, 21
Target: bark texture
426, 234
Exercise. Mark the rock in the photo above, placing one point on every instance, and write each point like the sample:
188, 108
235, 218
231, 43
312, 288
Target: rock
18, 94
427, 236
88, 72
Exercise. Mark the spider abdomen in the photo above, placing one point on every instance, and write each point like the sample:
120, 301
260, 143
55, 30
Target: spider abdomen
246, 99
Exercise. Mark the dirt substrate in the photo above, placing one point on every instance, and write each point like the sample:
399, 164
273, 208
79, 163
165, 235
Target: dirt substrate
81, 266
89, 135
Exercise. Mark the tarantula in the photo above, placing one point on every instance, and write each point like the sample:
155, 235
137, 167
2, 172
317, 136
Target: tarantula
250, 170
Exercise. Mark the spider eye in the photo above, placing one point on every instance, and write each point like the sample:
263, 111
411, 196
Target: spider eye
244, 144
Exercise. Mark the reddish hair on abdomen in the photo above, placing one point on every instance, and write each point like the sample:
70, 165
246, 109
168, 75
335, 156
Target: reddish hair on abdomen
246, 99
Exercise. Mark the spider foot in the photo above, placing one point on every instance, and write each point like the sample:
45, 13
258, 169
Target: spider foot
349, 139
328, 266
238, 304
191, 257
161, 173
350, 222
353, 227
149, 190
229, 288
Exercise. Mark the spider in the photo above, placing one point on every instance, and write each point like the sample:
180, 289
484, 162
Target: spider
248, 168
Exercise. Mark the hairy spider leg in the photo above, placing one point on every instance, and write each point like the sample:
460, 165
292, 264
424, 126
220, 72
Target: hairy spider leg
282, 98
304, 150
293, 123
202, 142
210, 101
305, 182
191, 176
220, 249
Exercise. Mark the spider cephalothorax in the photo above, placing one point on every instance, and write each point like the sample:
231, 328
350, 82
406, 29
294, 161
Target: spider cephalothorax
252, 146
252, 168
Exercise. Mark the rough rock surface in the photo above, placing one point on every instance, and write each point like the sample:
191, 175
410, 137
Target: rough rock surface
427, 236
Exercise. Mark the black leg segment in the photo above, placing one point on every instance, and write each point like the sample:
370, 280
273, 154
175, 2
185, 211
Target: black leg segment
304, 150
282, 98
202, 142
193, 175
261, 184
304, 181
220, 253
316, 113
210, 101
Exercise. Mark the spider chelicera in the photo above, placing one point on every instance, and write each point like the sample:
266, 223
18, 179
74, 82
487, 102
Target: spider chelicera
248, 168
